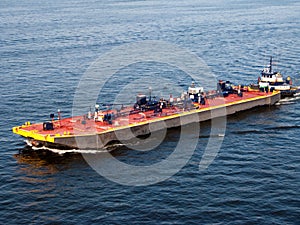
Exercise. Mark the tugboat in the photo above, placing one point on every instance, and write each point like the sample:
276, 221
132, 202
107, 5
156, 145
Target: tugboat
274, 81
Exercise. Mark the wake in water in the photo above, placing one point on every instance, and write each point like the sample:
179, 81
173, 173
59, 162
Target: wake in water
266, 130
290, 100
108, 148
297, 94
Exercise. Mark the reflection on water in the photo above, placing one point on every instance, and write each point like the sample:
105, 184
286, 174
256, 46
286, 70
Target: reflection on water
39, 163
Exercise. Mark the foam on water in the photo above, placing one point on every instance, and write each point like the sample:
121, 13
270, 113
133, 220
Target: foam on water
108, 148
61, 151
289, 100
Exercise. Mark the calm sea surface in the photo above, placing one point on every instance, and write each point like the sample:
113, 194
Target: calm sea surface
45, 48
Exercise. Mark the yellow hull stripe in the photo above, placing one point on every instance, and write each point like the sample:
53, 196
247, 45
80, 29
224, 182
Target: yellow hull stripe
50, 138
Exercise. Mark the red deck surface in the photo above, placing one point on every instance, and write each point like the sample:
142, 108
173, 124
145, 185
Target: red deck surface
71, 126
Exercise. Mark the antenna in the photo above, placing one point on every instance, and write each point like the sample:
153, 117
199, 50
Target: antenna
271, 60
150, 90
59, 116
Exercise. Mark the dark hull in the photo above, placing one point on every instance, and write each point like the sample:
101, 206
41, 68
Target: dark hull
289, 93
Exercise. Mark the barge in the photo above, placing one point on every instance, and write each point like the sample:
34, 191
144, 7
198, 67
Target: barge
97, 129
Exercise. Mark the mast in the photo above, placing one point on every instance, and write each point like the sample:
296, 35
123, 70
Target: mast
270, 67
150, 92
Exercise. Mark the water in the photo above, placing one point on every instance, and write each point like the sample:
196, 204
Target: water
45, 48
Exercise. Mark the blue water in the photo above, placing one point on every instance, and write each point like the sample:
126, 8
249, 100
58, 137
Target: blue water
45, 48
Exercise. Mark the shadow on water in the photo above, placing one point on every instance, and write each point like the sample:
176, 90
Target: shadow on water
265, 111
260, 120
